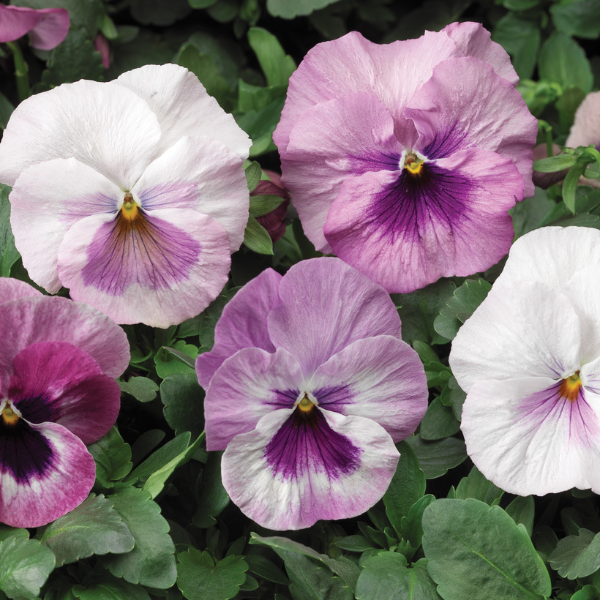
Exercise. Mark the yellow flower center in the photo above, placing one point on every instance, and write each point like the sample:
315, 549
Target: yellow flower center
9, 416
570, 386
413, 164
306, 404
129, 210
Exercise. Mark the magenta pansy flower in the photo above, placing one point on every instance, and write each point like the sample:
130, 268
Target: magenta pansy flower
58, 361
403, 159
47, 27
308, 387
130, 193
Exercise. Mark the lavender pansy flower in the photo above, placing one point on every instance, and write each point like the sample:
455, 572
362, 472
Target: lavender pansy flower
129, 193
529, 360
403, 159
47, 27
308, 387
58, 361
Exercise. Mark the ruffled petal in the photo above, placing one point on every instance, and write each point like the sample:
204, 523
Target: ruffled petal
292, 471
45, 472
525, 331
16, 21
45, 201
447, 118
183, 107
102, 125
11, 289
201, 174
333, 142
247, 386
528, 439
325, 306
58, 382
586, 126
43, 319
51, 29
243, 324
380, 378
160, 268
406, 231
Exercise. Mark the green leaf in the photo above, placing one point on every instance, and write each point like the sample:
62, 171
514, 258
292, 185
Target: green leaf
253, 97
477, 551
257, 238
6, 109
24, 567
354, 543
538, 94
439, 422
183, 402
289, 9
224, 11
167, 362
199, 578
567, 105
461, 306
554, 163
587, 592
435, 458
580, 18
263, 205
275, 63
8, 253
406, 487
202, 3
412, 524
152, 561
577, 555
520, 4
388, 576
522, 510
213, 498
94, 527
141, 388
475, 485
159, 12
113, 458
260, 125
7, 532
521, 39
563, 61
103, 586
211, 316
253, 173
529, 214
266, 569
569, 188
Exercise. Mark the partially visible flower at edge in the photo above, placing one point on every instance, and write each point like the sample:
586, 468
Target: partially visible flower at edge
529, 360
58, 361
308, 387
101, 45
47, 27
273, 222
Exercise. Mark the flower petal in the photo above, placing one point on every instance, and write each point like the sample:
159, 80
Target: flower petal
525, 331
406, 231
11, 289
183, 107
331, 143
499, 121
51, 29
28, 321
16, 21
247, 386
45, 472
380, 378
325, 306
102, 125
161, 268
243, 324
586, 126
528, 439
58, 382
202, 174
45, 201
287, 475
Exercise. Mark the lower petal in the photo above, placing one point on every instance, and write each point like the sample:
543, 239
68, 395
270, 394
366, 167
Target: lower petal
11, 289
45, 472
288, 475
160, 269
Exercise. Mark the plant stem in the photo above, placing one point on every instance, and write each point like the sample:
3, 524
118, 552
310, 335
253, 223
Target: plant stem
21, 71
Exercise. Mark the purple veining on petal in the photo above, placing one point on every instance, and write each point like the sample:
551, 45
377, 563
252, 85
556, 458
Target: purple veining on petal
179, 194
283, 398
407, 207
146, 250
551, 404
445, 143
24, 452
88, 205
375, 161
305, 444
334, 397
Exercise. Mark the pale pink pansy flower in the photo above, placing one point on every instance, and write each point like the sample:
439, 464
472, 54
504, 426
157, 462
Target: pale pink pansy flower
308, 387
403, 159
129, 193
529, 360
47, 27
58, 362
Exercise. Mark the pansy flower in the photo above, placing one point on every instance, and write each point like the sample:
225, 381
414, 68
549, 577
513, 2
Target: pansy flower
47, 27
529, 360
308, 387
403, 159
58, 361
129, 193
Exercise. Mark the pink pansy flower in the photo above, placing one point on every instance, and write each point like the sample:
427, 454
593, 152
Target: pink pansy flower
308, 387
101, 45
586, 128
273, 222
58, 361
129, 193
529, 360
403, 159
47, 27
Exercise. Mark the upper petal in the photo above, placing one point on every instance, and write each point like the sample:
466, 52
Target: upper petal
16, 21
325, 306
243, 324
11, 289
183, 107
51, 29
102, 125
586, 126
